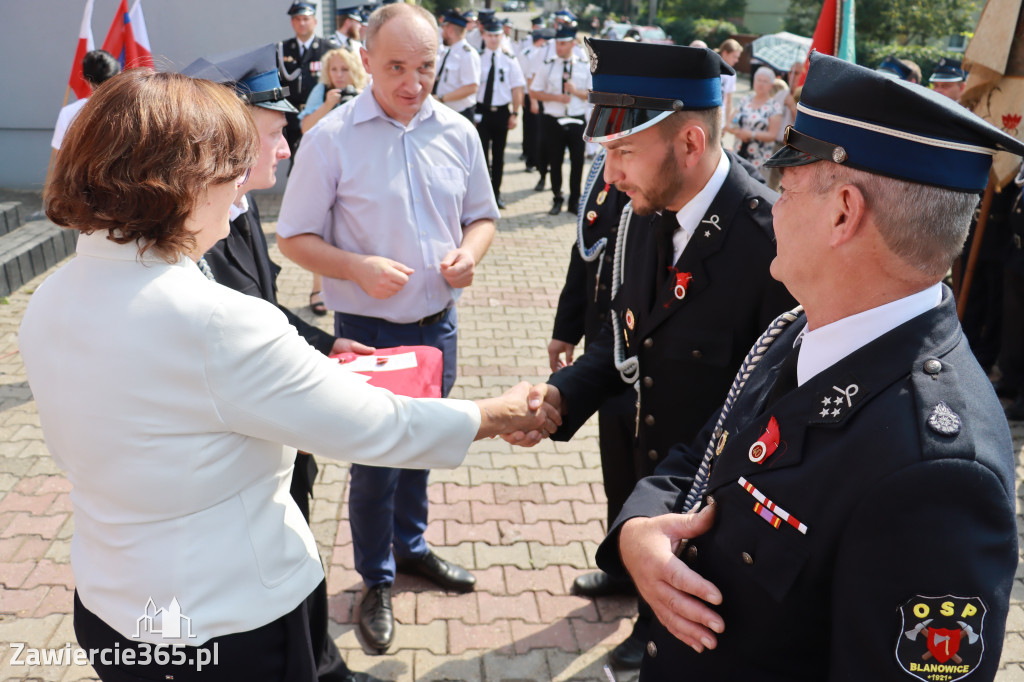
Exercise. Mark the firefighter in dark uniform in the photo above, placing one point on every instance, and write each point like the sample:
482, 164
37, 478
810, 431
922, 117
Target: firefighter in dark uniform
858, 520
582, 311
299, 63
242, 262
692, 286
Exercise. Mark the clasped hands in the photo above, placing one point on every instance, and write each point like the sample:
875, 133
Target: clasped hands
521, 409
382, 277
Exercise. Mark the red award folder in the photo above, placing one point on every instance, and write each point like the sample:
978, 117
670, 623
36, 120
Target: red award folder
414, 371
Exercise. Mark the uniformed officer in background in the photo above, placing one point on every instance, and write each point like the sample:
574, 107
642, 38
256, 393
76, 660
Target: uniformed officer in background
501, 86
583, 308
693, 289
532, 111
458, 71
949, 78
859, 517
561, 83
299, 64
350, 27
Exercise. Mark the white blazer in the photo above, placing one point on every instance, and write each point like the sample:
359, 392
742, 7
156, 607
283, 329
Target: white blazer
166, 398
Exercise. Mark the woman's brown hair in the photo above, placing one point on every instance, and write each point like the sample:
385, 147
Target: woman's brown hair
138, 156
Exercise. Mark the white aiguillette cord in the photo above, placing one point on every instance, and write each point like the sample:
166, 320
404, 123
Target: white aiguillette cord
700, 481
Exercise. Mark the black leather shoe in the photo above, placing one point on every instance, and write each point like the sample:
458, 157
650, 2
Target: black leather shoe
600, 584
573, 206
556, 206
530, 168
501, 202
1015, 411
629, 654
440, 572
539, 187
376, 619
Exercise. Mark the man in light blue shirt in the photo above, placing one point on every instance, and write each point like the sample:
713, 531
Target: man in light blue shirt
390, 200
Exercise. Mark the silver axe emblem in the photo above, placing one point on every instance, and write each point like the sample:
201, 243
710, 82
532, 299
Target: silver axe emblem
912, 634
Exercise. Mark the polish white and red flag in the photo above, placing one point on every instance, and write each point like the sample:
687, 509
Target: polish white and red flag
85, 43
127, 38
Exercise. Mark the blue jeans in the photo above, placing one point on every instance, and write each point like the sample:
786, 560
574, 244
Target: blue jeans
388, 507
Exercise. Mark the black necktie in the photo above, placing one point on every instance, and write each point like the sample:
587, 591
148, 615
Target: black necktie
440, 71
663, 231
489, 88
566, 74
786, 380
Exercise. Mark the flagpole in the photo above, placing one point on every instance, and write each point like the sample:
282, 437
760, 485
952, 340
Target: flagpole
53, 152
972, 259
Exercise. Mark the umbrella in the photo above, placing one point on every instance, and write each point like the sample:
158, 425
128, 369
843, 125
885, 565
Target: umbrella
781, 50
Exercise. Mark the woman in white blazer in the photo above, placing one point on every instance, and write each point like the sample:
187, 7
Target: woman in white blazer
167, 397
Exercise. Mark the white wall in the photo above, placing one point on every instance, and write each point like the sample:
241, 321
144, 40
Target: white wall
38, 39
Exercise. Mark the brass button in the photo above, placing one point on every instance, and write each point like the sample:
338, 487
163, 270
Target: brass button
649, 420
653, 454
648, 382
709, 500
652, 649
932, 366
648, 342
691, 553
603, 287
697, 354
754, 203
607, 259
747, 559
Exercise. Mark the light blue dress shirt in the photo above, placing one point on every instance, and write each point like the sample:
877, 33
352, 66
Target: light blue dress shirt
368, 184
314, 101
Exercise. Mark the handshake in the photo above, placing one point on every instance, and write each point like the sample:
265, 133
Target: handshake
523, 415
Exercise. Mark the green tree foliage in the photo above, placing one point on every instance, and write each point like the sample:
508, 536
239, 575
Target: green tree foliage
669, 10
903, 22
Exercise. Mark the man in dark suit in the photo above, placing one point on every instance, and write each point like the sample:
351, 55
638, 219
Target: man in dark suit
299, 63
242, 262
856, 492
692, 289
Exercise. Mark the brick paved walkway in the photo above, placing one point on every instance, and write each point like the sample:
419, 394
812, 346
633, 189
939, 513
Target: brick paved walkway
526, 521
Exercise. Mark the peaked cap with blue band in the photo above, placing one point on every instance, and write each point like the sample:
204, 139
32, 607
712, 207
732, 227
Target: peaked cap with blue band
636, 85
350, 11
948, 71
251, 72
860, 118
893, 68
452, 16
302, 8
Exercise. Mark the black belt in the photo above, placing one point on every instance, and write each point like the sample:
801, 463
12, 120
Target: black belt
432, 319
490, 110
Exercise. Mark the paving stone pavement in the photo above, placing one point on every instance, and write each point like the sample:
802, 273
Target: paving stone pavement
526, 521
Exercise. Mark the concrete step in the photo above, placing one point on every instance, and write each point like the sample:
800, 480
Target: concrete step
10, 216
30, 249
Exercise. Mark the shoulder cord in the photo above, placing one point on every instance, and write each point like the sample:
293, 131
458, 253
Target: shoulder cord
700, 481
288, 75
598, 247
629, 368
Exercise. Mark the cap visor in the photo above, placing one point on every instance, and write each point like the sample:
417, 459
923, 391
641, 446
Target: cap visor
280, 105
610, 123
790, 156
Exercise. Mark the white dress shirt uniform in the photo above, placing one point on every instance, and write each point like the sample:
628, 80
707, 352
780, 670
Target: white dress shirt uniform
508, 75
540, 55
166, 397
548, 78
458, 65
432, 183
